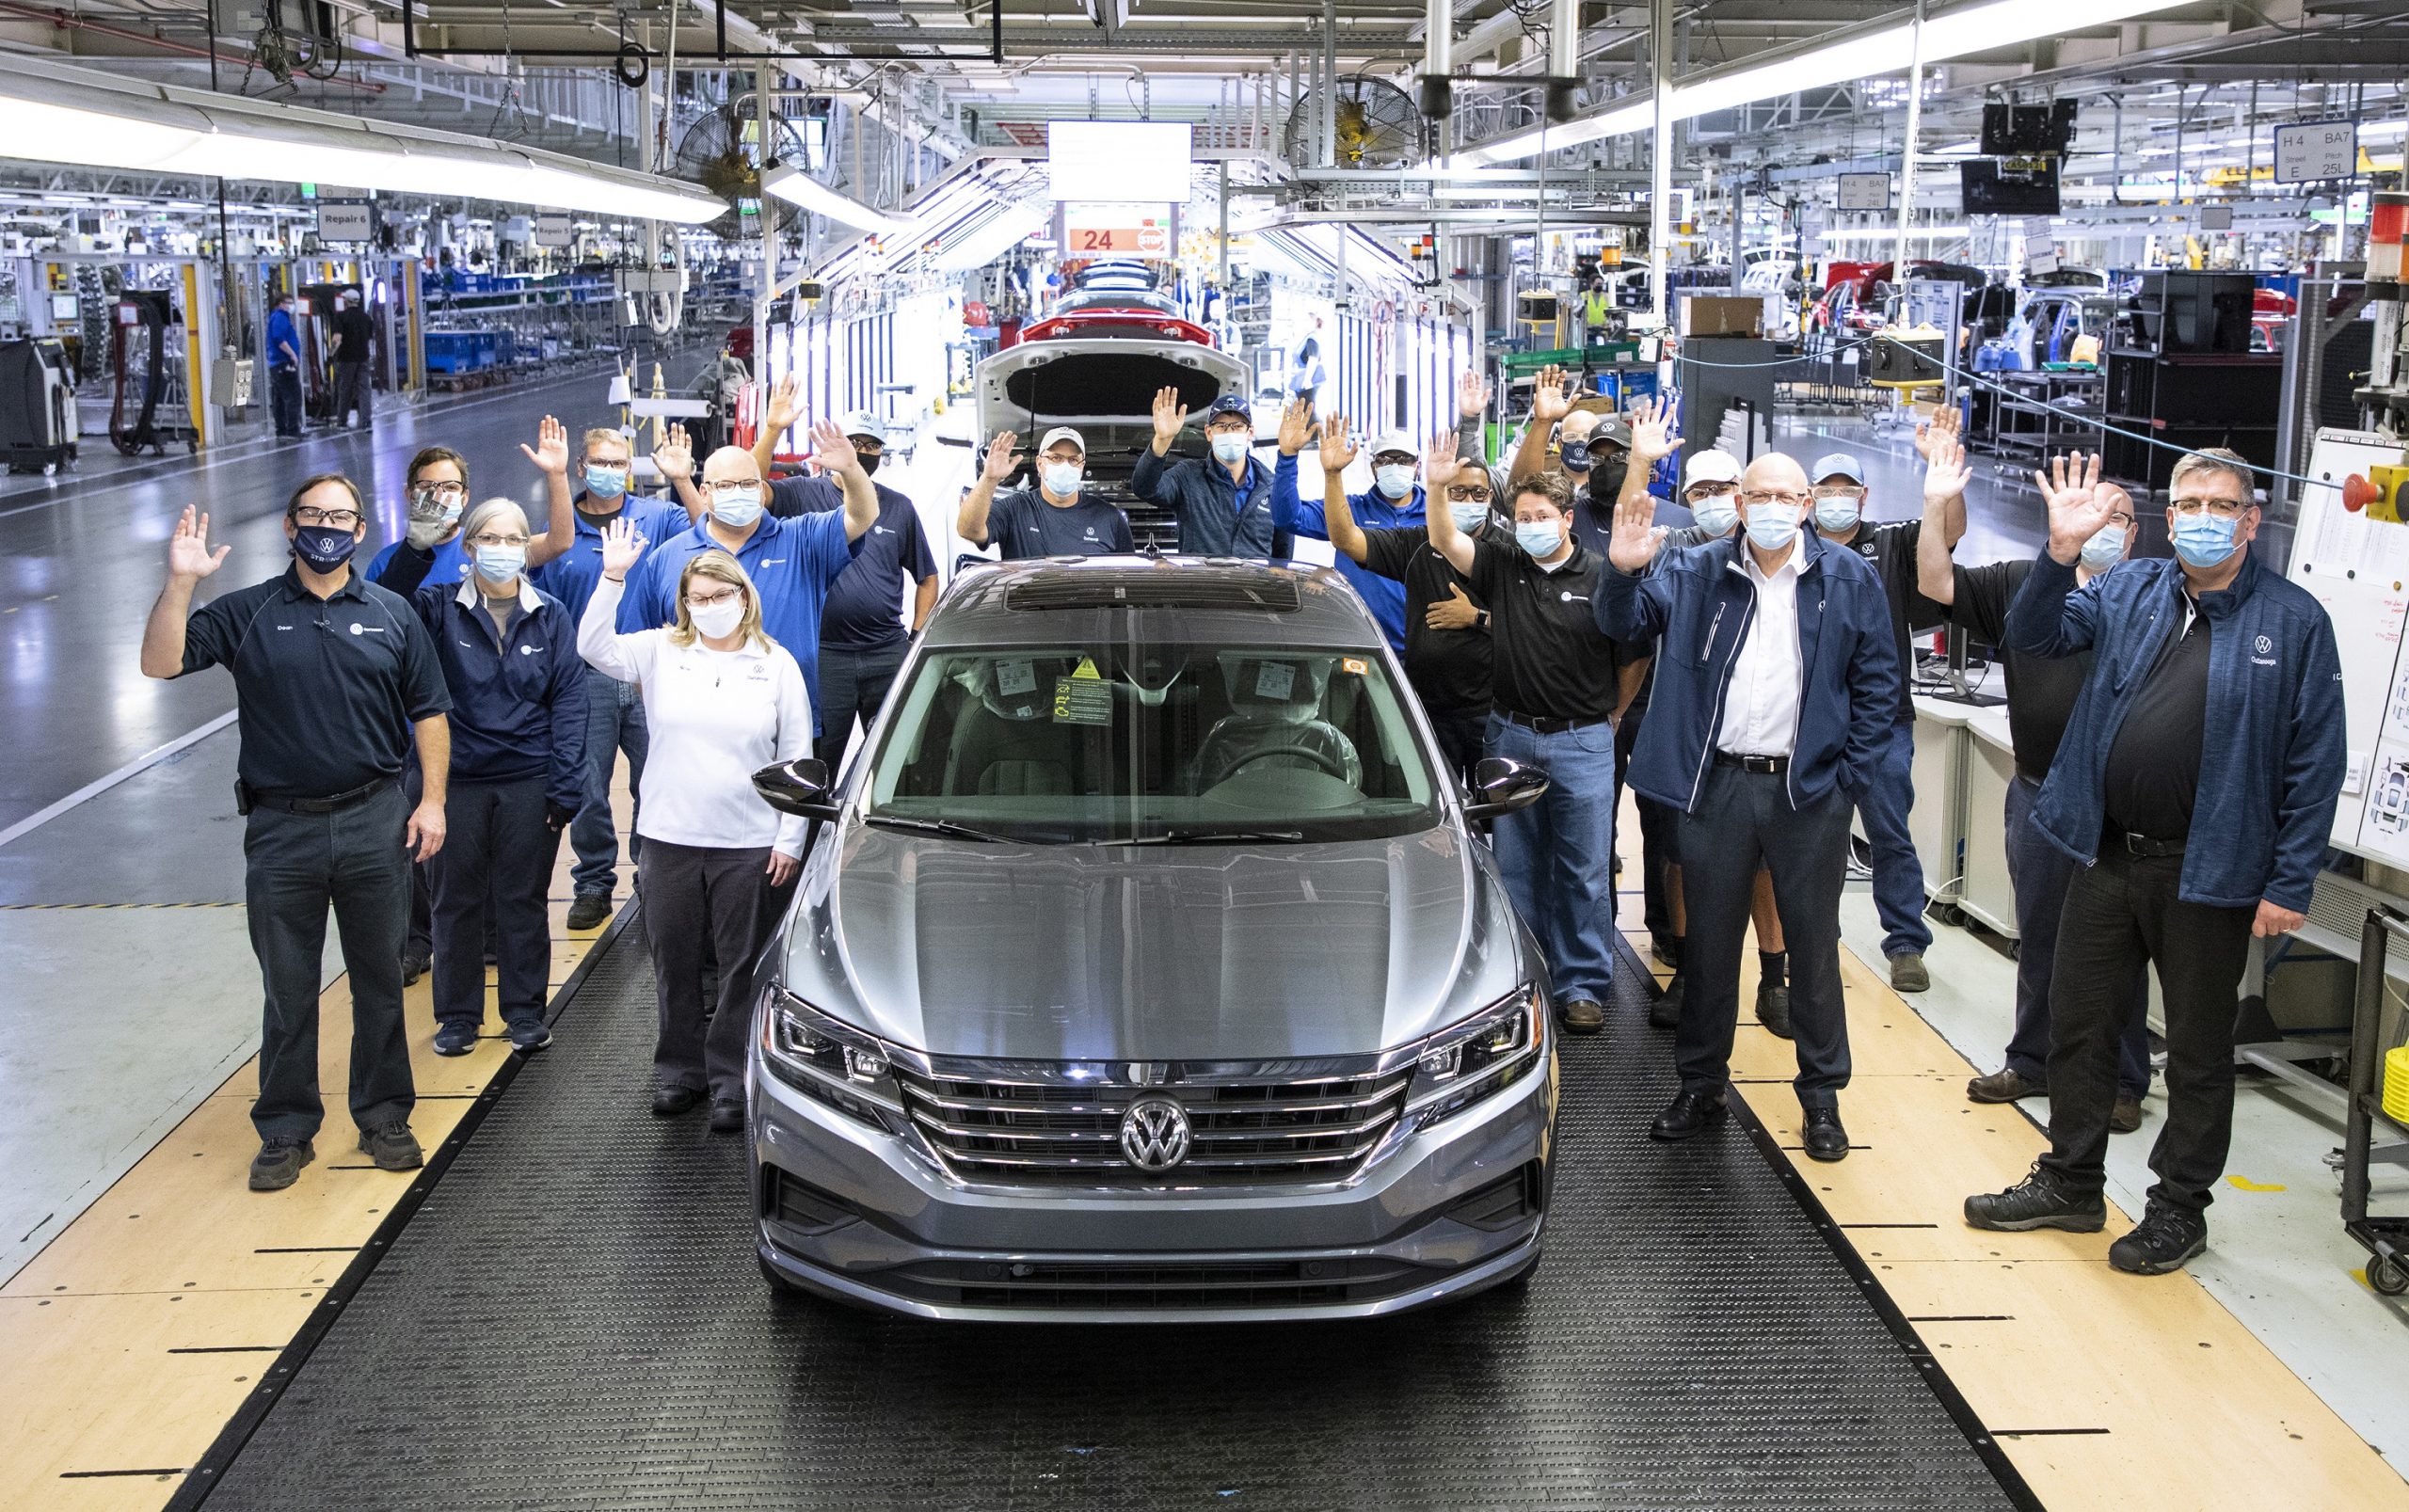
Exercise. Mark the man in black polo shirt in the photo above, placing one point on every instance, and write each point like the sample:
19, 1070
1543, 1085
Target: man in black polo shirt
334, 678
2041, 692
1559, 683
1053, 518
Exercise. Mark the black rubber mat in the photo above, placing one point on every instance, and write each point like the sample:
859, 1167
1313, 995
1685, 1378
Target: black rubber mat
573, 1318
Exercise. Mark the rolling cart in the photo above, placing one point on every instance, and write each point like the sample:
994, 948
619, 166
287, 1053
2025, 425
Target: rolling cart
2386, 1238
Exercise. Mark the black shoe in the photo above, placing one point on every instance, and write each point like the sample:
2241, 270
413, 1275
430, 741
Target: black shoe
1581, 1016
668, 1101
530, 1035
392, 1147
2164, 1238
1665, 1012
455, 1039
2127, 1115
1667, 949
2040, 1201
1687, 1116
727, 1114
1823, 1137
589, 911
1773, 1008
279, 1163
414, 965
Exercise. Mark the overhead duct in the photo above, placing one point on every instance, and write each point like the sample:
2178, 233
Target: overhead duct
1563, 58
1439, 59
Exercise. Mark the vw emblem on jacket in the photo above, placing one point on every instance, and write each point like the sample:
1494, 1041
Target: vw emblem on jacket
1155, 1132
2265, 646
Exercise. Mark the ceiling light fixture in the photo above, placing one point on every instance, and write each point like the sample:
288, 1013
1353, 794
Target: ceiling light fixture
791, 183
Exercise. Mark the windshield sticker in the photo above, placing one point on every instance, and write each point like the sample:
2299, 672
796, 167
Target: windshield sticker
1275, 681
1013, 678
1082, 699
1086, 669
1351, 666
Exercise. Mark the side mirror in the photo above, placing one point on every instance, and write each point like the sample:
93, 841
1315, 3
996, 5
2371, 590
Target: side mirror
1498, 787
799, 786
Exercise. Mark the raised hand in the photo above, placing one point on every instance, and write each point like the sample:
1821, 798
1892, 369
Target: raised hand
622, 543
1453, 612
550, 451
1000, 459
188, 553
675, 456
832, 450
1295, 426
1636, 536
1338, 444
1440, 466
1655, 431
1472, 394
2078, 508
1946, 470
1945, 425
1551, 397
786, 403
1169, 415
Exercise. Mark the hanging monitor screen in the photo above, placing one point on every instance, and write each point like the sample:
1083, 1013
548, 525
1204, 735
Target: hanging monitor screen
2008, 186
1118, 160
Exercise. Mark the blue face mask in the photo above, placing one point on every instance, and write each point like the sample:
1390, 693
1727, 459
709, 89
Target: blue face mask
2203, 540
2105, 549
605, 481
1539, 537
1836, 516
1394, 481
323, 548
737, 510
1773, 527
1470, 514
1716, 514
1230, 446
500, 564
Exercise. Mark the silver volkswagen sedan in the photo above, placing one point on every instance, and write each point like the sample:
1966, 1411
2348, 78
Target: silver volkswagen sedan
1146, 964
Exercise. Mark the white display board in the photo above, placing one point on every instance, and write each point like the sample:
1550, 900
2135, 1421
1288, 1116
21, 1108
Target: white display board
1865, 191
344, 220
552, 228
2358, 568
2316, 149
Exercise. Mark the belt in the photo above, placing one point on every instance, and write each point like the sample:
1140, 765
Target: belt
287, 802
1544, 725
2141, 847
1775, 765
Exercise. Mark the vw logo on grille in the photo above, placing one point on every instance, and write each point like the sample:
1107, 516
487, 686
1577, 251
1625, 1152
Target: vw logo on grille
1155, 1132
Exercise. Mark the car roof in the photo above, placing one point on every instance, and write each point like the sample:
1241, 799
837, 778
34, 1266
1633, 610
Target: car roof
1226, 599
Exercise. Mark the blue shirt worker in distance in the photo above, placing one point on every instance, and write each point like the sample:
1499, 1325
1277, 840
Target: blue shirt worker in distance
1055, 518
2194, 791
509, 656
284, 368
1775, 693
1223, 503
613, 710
336, 681
790, 563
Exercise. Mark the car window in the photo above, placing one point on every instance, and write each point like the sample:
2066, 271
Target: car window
1081, 744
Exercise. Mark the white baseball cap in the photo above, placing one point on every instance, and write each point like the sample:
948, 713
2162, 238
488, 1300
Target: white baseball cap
1064, 433
1396, 442
862, 422
1711, 465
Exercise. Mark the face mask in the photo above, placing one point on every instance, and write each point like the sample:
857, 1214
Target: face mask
2203, 540
869, 460
323, 548
1062, 478
499, 564
737, 511
1715, 514
717, 621
605, 481
1772, 527
2105, 549
1606, 482
1470, 514
1539, 537
1394, 481
1230, 448
1837, 514
452, 512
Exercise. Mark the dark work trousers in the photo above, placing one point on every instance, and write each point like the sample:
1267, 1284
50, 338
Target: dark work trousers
419, 939
2118, 912
851, 683
1659, 833
2040, 873
295, 867
1744, 821
690, 894
284, 398
497, 858
613, 724
1463, 734
351, 394
1898, 872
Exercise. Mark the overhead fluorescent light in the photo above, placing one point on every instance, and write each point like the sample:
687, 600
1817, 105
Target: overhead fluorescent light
57, 113
796, 187
1625, 116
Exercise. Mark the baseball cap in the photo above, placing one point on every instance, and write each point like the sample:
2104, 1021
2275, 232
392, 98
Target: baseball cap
1613, 428
1575, 455
1711, 466
1837, 465
1064, 433
1396, 442
862, 422
1229, 404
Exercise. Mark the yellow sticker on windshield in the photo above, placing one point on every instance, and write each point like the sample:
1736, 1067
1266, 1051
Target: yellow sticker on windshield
1087, 668
1351, 666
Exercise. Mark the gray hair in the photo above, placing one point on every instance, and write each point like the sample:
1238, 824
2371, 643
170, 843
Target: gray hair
473, 523
2213, 459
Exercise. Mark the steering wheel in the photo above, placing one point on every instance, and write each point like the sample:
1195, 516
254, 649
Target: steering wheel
1317, 757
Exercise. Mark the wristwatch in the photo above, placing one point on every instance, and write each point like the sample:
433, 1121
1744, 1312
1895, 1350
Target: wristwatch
1480, 617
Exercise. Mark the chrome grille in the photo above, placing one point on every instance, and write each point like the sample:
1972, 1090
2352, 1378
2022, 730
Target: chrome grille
1026, 1130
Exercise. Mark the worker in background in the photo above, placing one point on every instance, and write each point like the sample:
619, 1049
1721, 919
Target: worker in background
862, 631
1888, 794
2194, 788
613, 710
1053, 518
1306, 373
1557, 683
509, 656
2041, 696
354, 337
1775, 695
1446, 650
336, 682
1223, 503
284, 368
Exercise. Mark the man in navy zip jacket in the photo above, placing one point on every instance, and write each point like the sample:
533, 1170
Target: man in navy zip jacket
1777, 682
1224, 504
2194, 788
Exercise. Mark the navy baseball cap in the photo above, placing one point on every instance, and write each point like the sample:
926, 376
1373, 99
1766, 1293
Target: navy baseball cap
1229, 404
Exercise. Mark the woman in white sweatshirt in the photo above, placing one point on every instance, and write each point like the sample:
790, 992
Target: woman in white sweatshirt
720, 701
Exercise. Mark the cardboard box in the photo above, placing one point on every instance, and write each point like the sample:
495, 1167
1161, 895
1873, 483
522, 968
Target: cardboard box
1723, 316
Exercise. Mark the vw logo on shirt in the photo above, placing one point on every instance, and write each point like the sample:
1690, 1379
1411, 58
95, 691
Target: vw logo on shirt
2265, 646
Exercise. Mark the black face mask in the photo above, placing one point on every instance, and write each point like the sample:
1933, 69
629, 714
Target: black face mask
323, 548
1605, 482
870, 460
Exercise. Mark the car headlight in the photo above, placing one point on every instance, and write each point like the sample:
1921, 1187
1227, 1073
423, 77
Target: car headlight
831, 1062
1460, 1065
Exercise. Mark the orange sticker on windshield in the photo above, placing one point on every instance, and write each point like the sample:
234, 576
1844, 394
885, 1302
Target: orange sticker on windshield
1350, 664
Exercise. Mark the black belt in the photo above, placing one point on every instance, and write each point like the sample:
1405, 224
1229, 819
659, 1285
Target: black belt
1545, 724
1773, 765
2141, 847
289, 804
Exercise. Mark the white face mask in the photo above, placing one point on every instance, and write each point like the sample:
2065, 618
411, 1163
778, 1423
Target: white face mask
715, 622
1231, 446
1394, 480
1062, 478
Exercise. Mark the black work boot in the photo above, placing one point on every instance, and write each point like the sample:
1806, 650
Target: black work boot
2165, 1237
2040, 1201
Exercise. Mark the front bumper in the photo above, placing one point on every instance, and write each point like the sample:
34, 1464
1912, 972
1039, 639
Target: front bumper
854, 1212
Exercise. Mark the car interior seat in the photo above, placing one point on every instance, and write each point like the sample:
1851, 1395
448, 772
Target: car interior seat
1275, 706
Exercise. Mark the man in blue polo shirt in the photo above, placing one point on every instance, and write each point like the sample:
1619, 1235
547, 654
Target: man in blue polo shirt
1224, 504
284, 368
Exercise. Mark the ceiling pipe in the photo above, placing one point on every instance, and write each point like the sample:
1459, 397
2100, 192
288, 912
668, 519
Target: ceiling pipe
1563, 58
1439, 59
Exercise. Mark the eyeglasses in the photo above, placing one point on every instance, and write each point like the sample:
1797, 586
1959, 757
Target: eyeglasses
713, 600
341, 519
1700, 493
1839, 492
729, 487
503, 543
2221, 508
1470, 494
446, 491
2122, 519
867, 446
1754, 498
1228, 426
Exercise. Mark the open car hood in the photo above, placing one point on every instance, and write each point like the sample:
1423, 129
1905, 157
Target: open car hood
1100, 381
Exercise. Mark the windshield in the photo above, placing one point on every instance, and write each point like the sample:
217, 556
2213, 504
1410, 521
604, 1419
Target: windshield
1153, 742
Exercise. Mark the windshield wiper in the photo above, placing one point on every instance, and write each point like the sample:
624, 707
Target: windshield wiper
937, 826
1208, 836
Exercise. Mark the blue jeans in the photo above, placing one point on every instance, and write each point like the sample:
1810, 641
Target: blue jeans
613, 723
2040, 873
1898, 875
1557, 855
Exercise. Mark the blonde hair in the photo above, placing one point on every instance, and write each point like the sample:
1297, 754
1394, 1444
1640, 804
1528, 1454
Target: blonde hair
2215, 459
603, 434
720, 567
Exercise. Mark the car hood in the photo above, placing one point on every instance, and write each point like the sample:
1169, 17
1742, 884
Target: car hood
1186, 954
